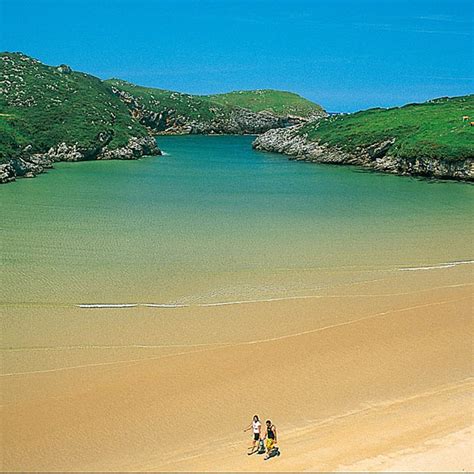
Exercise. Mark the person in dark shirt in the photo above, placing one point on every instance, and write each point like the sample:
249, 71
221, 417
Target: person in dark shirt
270, 438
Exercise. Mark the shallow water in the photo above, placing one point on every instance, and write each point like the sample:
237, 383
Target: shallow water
215, 221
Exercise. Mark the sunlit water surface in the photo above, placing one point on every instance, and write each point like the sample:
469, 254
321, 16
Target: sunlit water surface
215, 221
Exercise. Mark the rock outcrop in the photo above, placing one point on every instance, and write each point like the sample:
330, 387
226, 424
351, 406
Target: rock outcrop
297, 146
7, 173
30, 164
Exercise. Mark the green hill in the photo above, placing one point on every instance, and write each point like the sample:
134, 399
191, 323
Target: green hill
433, 129
190, 107
165, 111
279, 103
42, 107
433, 139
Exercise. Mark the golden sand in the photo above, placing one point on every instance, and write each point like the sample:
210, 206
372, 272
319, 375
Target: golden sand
374, 376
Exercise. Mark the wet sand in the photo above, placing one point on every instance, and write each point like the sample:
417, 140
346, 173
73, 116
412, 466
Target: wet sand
373, 376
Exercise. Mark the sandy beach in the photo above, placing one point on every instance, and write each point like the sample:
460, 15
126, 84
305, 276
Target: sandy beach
212, 210
373, 376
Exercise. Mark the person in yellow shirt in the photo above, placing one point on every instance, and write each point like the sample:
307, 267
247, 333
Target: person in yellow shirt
271, 440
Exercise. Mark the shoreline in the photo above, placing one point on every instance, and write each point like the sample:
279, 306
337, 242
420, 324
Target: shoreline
375, 158
296, 149
39, 163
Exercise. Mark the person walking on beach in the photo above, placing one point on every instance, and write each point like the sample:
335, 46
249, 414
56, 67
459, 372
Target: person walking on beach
256, 428
271, 440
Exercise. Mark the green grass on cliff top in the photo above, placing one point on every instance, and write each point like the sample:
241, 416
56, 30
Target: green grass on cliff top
433, 129
42, 106
280, 103
200, 108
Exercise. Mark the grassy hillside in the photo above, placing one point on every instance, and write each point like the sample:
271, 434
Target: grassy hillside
236, 112
42, 106
433, 129
280, 103
159, 100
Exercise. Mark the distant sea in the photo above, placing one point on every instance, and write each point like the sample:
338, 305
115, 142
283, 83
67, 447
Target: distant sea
213, 221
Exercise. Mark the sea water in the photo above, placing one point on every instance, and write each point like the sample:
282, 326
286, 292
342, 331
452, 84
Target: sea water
213, 221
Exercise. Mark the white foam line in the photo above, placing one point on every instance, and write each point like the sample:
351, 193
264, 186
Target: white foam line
201, 305
96, 306
377, 295
267, 300
437, 267
245, 343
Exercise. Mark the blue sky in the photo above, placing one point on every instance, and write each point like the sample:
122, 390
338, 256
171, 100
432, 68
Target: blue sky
345, 54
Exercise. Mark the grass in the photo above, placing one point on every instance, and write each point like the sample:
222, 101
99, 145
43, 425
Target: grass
206, 108
279, 103
433, 129
43, 106
188, 106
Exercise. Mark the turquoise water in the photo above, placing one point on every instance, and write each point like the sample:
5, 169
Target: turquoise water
214, 220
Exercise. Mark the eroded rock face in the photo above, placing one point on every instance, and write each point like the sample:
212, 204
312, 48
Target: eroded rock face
62, 152
30, 165
239, 122
7, 173
134, 149
377, 156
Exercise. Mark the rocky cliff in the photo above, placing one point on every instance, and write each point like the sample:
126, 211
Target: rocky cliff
163, 119
28, 165
296, 144
168, 112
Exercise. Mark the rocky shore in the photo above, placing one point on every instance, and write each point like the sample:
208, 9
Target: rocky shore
290, 141
28, 165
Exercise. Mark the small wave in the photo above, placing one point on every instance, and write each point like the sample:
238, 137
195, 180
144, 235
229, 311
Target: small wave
164, 153
199, 305
436, 267
94, 306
